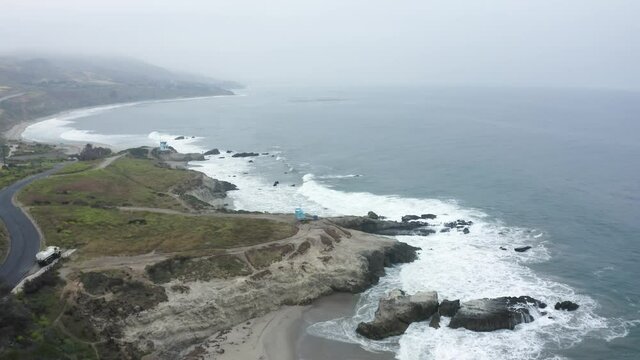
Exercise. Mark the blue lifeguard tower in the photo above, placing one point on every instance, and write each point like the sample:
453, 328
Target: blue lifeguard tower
300, 214
164, 146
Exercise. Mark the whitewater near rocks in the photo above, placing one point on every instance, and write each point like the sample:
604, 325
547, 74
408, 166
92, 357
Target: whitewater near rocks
457, 265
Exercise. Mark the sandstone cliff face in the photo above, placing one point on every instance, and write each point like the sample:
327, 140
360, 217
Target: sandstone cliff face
206, 189
322, 259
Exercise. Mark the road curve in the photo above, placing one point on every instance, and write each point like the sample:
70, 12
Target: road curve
23, 234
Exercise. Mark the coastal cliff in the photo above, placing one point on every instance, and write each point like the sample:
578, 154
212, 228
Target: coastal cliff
192, 306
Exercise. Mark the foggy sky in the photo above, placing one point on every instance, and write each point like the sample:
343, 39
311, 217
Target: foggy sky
567, 43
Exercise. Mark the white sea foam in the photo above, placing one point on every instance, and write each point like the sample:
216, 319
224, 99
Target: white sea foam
458, 266
59, 127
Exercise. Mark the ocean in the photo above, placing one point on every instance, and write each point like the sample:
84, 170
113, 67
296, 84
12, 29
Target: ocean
558, 170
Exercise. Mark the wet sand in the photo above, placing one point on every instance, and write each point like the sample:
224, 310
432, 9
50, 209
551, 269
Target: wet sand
282, 335
309, 347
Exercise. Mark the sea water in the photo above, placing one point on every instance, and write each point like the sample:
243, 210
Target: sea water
558, 170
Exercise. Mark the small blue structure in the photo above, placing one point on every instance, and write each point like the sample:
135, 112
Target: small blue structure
164, 146
299, 214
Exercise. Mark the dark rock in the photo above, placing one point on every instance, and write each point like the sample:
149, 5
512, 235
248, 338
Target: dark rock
522, 249
383, 227
293, 185
265, 153
213, 152
435, 321
276, 183
494, 314
397, 311
250, 161
458, 224
245, 154
445, 230
449, 308
229, 151
372, 215
179, 138
377, 260
410, 217
428, 216
503, 248
466, 230
566, 305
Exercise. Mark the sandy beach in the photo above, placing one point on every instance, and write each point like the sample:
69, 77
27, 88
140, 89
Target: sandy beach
282, 335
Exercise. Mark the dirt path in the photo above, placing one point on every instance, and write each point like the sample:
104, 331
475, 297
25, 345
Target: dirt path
108, 161
275, 217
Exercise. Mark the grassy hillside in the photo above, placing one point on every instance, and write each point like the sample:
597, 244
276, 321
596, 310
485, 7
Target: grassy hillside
78, 208
126, 182
35, 87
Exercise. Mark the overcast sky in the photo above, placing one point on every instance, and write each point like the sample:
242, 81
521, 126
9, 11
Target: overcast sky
573, 43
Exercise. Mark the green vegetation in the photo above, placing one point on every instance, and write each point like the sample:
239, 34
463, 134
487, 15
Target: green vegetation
192, 269
265, 256
100, 232
19, 171
126, 182
78, 210
78, 166
4, 241
24, 149
29, 328
45, 86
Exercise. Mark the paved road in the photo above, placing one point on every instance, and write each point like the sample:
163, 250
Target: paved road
25, 239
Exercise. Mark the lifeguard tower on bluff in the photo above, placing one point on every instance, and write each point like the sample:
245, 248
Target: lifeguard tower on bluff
164, 146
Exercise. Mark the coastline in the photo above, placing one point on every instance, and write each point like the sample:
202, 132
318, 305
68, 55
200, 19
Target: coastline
282, 335
278, 335
15, 132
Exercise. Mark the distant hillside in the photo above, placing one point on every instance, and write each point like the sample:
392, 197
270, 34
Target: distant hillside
32, 87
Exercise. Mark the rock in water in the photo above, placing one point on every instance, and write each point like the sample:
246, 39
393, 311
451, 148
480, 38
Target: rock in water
435, 321
466, 230
410, 217
276, 183
494, 314
566, 305
383, 227
372, 215
428, 216
397, 311
522, 249
245, 154
449, 308
213, 152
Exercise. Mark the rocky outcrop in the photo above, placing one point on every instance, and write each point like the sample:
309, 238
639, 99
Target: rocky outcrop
494, 314
410, 218
245, 154
449, 308
428, 216
435, 321
372, 215
384, 227
566, 305
173, 155
327, 259
397, 311
522, 249
205, 189
212, 152
458, 224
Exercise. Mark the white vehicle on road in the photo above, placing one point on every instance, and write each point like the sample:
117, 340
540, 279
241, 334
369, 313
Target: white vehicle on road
48, 255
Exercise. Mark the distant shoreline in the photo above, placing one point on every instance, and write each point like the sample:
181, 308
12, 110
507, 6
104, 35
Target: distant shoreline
15, 132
